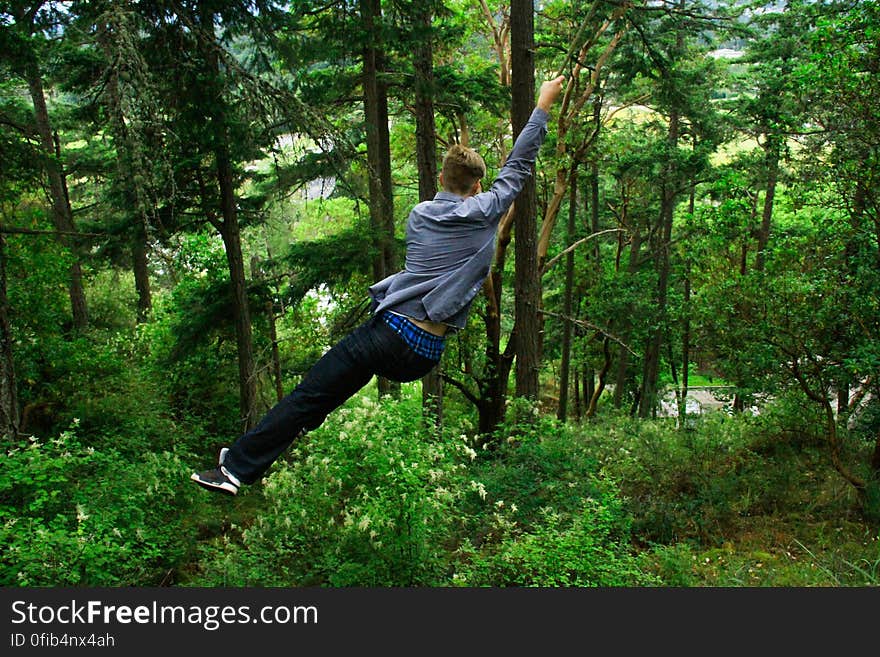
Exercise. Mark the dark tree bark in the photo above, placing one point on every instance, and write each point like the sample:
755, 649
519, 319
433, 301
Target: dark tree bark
230, 232
651, 370
140, 264
375, 92
622, 374
9, 414
126, 166
772, 165
527, 332
686, 322
564, 367
231, 235
62, 216
426, 159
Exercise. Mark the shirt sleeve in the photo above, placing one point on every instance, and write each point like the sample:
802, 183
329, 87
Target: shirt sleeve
516, 170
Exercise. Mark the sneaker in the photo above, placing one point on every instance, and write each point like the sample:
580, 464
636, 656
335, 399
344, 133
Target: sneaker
219, 479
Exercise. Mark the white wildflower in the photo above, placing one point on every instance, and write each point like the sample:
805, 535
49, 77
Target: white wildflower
479, 489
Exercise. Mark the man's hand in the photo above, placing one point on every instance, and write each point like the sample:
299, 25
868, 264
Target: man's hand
550, 91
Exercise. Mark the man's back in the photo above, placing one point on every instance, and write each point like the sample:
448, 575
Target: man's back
450, 241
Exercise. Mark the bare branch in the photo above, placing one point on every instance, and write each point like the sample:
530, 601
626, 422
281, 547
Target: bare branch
585, 324
556, 258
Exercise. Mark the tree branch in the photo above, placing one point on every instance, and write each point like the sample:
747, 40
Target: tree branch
585, 324
556, 258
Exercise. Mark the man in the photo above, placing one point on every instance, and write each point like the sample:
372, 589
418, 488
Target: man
450, 243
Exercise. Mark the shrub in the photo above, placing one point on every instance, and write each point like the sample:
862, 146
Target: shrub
74, 516
587, 549
365, 500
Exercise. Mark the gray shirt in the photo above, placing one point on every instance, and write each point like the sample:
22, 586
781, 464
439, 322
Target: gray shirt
450, 241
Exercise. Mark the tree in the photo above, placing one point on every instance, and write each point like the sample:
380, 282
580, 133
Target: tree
31, 22
527, 329
9, 411
421, 14
208, 108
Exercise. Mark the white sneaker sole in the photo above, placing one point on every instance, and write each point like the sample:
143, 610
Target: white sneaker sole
225, 487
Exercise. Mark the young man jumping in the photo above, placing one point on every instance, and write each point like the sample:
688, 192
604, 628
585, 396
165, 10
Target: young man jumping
450, 244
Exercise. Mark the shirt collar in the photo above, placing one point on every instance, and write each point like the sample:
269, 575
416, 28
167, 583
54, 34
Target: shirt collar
448, 196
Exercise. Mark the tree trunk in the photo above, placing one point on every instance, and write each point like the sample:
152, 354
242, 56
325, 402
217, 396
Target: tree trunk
622, 374
562, 409
596, 391
127, 164
527, 286
140, 264
651, 370
426, 159
686, 321
9, 415
231, 234
378, 153
62, 216
276, 356
247, 381
493, 386
772, 163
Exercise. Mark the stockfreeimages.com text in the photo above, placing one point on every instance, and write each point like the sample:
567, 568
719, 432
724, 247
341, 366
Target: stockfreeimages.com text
211, 617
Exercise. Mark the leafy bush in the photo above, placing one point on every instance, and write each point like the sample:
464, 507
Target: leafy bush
589, 549
74, 516
540, 514
364, 500
696, 483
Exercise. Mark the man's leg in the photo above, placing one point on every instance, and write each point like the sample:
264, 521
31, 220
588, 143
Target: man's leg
337, 375
372, 348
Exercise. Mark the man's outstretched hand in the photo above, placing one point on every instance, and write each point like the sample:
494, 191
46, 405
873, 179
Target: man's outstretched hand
550, 91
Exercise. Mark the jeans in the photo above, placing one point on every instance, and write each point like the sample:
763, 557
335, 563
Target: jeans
373, 348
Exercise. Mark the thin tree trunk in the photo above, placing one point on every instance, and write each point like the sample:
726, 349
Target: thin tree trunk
231, 234
378, 153
276, 356
600, 384
493, 386
126, 167
426, 160
9, 413
527, 284
140, 264
772, 163
686, 322
62, 216
622, 375
651, 369
562, 409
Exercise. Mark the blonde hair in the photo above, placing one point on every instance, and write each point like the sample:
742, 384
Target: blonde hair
462, 167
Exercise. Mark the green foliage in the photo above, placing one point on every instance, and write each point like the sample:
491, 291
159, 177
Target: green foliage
74, 516
372, 499
540, 514
588, 549
366, 500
